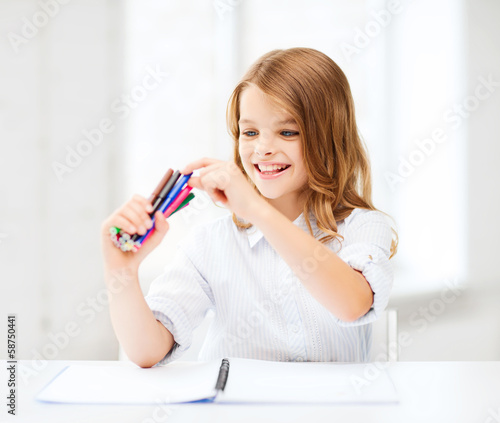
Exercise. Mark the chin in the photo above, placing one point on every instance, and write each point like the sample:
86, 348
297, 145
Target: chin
269, 194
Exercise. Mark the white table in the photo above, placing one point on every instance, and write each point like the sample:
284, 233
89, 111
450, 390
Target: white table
429, 392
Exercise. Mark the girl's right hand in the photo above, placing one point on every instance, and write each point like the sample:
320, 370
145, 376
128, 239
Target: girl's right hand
132, 217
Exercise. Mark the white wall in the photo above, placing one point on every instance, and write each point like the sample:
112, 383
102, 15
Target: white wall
483, 148
426, 69
465, 324
56, 84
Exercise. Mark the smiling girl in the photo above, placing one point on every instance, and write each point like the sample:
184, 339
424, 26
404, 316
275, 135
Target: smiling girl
301, 269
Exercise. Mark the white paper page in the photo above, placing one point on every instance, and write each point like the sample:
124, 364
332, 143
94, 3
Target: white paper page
262, 381
175, 382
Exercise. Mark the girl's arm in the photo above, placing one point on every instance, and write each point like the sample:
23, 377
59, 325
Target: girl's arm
336, 285
341, 289
144, 339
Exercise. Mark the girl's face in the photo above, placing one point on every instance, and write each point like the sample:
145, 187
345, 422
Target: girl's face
270, 148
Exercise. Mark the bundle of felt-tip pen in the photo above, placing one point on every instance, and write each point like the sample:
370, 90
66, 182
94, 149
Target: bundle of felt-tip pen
171, 195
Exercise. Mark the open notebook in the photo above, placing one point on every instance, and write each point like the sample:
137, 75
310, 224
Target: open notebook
238, 380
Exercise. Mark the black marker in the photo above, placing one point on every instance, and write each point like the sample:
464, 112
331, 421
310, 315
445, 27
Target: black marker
164, 192
223, 374
160, 186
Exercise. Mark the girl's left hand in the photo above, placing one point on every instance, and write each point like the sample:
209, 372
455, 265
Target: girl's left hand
224, 182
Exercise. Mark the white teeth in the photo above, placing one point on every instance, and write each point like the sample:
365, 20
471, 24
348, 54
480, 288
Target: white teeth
271, 168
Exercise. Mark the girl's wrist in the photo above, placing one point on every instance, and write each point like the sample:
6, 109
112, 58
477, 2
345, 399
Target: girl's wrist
121, 272
260, 212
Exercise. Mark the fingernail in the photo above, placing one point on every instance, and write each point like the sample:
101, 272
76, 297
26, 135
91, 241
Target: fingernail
142, 229
148, 224
149, 208
132, 229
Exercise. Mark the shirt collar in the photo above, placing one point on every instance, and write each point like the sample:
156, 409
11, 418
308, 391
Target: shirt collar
255, 235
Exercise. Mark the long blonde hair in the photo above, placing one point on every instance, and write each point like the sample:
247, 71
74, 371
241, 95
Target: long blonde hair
314, 90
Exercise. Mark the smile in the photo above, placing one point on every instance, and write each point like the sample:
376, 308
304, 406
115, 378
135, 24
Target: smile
271, 171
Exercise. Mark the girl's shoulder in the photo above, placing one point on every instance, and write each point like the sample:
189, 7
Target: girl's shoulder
222, 224
361, 217
217, 230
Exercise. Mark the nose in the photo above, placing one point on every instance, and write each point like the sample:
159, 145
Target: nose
264, 146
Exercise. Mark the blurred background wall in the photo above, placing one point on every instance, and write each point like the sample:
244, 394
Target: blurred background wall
99, 98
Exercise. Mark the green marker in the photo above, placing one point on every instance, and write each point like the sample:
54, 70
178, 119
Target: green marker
184, 203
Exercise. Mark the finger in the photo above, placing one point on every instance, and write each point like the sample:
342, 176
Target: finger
143, 202
159, 231
161, 224
212, 169
198, 164
207, 178
216, 195
140, 210
134, 218
219, 197
195, 182
124, 224
138, 203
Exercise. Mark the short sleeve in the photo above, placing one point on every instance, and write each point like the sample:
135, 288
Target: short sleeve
366, 248
180, 299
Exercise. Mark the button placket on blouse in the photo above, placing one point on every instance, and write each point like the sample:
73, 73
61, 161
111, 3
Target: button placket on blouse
296, 336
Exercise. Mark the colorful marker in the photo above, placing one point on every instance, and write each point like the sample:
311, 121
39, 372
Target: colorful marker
160, 186
172, 208
165, 191
184, 203
161, 195
172, 195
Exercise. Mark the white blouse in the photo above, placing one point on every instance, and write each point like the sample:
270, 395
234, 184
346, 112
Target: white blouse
262, 310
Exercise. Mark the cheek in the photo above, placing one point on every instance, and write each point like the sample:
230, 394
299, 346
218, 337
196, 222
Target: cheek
245, 150
301, 170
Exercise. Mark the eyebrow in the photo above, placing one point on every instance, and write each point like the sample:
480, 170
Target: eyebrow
283, 122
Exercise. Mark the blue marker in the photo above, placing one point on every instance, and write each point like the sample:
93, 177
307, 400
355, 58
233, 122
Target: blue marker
174, 192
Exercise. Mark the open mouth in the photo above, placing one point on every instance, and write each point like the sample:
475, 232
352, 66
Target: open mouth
271, 169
